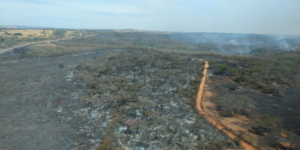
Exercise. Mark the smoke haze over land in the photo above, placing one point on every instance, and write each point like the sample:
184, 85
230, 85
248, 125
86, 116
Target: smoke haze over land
234, 16
239, 43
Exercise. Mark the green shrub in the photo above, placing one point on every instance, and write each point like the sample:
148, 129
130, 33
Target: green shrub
242, 79
232, 70
222, 67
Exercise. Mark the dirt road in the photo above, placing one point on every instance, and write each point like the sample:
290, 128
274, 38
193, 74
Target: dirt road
211, 120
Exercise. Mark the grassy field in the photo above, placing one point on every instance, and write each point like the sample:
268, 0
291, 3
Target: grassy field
37, 33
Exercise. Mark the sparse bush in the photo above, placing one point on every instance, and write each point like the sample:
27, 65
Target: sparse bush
262, 74
241, 79
231, 105
269, 90
232, 70
61, 65
18, 34
211, 62
2, 40
270, 140
222, 67
59, 32
190, 93
268, 122
217, 145
104, 146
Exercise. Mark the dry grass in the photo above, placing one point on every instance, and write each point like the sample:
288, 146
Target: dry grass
34, 33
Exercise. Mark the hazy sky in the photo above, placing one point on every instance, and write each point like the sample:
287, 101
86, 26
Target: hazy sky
234, 16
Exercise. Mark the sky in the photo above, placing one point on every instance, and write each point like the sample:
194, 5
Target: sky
227, 16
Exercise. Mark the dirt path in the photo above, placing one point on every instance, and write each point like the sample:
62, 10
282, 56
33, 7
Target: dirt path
211, 120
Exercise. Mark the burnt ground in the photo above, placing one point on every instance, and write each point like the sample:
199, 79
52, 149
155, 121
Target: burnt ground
43, 106
37, 102
286, 107
147, 98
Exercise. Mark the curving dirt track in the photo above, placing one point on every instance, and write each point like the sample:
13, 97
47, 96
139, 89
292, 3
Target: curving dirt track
211, 120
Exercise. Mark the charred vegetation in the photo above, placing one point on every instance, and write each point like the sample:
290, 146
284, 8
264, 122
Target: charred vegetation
262, 89
149, 96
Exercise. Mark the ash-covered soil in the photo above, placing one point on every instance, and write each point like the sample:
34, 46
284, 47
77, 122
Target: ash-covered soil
136, 99
287, 107
145, 100
273, 117
38, 100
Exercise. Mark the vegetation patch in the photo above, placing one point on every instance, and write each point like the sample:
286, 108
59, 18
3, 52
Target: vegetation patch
231, 105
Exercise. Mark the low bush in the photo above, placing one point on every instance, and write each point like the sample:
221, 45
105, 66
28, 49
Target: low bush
231, 105
241, 79
18, 34
268, 122
223, 67
2, 40
211, 62
232, 70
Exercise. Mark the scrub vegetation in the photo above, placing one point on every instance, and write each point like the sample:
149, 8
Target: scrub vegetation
262, 89
149, 96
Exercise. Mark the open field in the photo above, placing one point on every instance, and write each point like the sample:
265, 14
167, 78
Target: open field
10, 38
